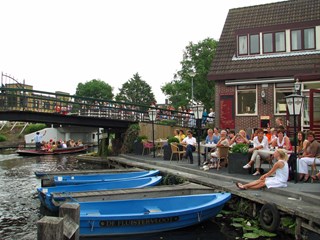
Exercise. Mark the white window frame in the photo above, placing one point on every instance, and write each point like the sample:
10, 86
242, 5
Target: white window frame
244, 43
256, 100
284, 89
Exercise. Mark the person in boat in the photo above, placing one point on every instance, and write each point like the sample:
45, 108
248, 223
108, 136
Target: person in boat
63, 144
79, 143
54, 146
281, 170
72, 143
38, 139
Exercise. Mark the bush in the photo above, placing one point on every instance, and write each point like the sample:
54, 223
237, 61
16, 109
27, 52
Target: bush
129, 138
173, 139
168, 122
34, 128
141, 138
2, 138
240, 148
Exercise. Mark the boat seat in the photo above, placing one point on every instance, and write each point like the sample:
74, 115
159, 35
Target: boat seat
152, 210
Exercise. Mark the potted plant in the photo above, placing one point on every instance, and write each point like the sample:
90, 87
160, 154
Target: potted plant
167, 148
238, 157
138, 146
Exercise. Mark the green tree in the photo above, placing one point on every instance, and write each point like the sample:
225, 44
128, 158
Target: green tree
136, 90
95, 89
196, 58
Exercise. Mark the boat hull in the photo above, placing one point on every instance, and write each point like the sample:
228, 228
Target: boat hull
95, 178
32, 152
148, 215
46, 194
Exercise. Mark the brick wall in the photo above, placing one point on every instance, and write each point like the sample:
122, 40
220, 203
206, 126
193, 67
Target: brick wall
247, 122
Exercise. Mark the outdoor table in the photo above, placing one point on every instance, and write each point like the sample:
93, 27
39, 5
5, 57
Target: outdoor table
159, 143
205, 146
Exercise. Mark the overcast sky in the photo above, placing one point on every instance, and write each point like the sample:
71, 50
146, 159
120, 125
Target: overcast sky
54, 45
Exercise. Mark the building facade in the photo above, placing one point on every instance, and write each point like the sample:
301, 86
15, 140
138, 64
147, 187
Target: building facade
265, 53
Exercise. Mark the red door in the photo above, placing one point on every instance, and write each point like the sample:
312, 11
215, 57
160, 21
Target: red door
227, 116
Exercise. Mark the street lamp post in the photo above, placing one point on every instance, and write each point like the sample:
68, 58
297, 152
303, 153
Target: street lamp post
294, 104
152, 116
198, 111
192, 75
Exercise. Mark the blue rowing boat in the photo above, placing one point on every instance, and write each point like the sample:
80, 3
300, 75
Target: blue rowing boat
140, 216
46, 194
95, 178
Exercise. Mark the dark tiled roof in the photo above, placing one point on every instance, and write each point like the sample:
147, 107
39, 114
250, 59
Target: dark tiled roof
264, 16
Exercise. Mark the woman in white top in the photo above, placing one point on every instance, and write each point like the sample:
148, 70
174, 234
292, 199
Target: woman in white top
281, 170
281, 141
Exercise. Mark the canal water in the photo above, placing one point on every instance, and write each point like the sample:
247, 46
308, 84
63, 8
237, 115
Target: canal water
20, 208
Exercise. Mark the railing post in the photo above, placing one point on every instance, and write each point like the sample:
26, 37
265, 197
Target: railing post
71, 211
50, 228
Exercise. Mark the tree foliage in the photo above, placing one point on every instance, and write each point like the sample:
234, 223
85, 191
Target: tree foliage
95, 89
197, 58
136, 90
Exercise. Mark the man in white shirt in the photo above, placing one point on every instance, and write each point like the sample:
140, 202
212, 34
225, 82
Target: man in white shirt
190, 143
38, 139
260, 146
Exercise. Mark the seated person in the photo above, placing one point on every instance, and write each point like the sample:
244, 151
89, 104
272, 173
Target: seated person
311, 154
181, 135
231, 135
190, 144
260, 143
274, 133
240, 138
302, 143
210, 138
281, 141
176, 134
268, 134
216, 135
223, 142
281, 170
54, 146
79, 143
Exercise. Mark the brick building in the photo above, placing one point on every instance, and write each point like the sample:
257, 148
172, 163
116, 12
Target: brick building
263, 52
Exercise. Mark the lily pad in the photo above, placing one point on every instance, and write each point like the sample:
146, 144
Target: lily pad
251, 235
219, 215
249, 228
238, 219
263, 233
225, 212
236, 225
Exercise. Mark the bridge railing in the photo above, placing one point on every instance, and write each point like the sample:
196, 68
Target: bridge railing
17, 99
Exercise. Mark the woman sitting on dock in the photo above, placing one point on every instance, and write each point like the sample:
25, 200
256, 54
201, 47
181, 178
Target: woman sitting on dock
281, 170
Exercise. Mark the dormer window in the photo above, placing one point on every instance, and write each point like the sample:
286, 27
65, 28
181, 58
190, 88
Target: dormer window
274, 42
254, 44
243, 45
263, 42
302, 39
